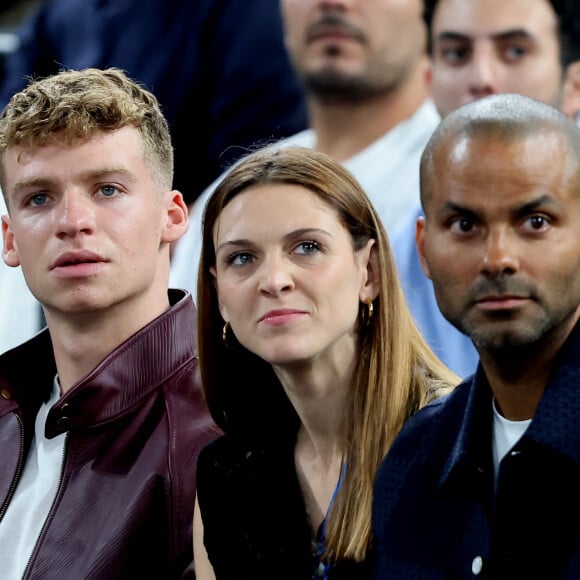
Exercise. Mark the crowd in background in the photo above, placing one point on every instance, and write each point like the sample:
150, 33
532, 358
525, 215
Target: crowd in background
366, 221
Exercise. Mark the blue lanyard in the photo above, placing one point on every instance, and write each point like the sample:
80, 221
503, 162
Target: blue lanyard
321, 539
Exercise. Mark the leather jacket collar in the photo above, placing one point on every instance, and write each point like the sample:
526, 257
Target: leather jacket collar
123, 378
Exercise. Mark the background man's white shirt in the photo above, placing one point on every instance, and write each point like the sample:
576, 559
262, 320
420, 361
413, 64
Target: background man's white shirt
20, 312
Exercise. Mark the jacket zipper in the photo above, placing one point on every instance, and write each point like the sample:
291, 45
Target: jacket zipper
49, 515
19, 467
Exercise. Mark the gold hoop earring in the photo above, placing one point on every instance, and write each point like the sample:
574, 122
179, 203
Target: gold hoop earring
225, 333
367, 314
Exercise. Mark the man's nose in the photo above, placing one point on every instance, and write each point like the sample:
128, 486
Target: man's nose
483, 77
500, 254
76, 213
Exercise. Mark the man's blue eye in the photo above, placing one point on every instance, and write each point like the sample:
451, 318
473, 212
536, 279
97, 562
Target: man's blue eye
108, 190
38, 199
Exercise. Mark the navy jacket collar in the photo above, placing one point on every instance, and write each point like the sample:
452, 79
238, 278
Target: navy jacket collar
553, 425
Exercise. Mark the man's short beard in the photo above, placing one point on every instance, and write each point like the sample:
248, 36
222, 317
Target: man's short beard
503, 342
524, 340
330, 87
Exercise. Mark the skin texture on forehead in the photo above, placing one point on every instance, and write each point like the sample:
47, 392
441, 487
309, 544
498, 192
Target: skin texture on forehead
506, 117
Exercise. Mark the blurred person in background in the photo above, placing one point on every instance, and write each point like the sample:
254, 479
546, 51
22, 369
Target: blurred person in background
363, 67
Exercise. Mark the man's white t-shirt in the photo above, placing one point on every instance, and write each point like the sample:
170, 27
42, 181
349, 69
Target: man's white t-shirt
33, 497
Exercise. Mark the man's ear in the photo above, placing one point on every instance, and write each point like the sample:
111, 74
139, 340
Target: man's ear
10, 251
371, 280
420, 244
571, 91
177, 221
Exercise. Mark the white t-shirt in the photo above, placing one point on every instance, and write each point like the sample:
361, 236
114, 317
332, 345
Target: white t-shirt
506, 434
33, 497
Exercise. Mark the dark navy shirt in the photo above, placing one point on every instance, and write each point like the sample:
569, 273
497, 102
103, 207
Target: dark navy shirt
435, 514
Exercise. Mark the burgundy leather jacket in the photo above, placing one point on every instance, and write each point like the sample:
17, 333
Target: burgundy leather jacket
135, 426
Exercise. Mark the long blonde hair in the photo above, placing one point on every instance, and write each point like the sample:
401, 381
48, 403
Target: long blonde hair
396, 372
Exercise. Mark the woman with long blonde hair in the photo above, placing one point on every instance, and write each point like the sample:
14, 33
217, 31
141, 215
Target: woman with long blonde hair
310, 363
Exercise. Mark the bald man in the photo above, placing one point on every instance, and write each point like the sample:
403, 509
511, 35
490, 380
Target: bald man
485, 481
